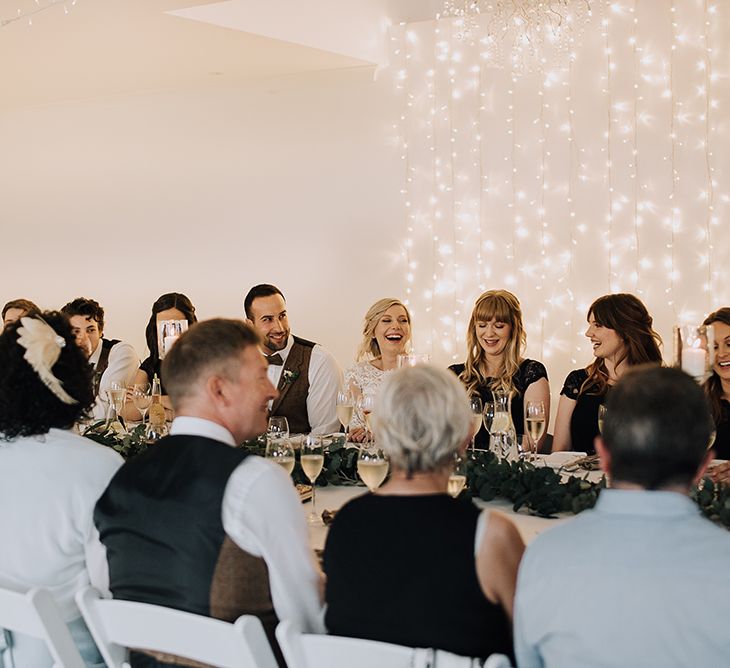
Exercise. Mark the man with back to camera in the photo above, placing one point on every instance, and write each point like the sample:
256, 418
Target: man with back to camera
195, 523
113, 360
305, 374
640, 580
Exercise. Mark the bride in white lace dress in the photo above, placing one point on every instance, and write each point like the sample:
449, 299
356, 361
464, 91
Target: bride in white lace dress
386, 334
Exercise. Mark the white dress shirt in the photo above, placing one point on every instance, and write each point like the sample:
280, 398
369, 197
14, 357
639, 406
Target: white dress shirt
123, 365
325, 379
49, 486
262, 514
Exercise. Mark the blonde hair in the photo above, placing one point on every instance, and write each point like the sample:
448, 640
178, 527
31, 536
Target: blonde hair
501, 306
369, 348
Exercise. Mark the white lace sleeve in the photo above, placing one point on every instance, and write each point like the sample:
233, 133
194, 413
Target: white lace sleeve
366, 380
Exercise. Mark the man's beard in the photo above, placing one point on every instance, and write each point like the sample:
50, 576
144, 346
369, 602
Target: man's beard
276, 347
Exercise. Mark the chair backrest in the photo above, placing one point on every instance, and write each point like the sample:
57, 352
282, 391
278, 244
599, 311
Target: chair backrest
35, 614
119, 625
308, 650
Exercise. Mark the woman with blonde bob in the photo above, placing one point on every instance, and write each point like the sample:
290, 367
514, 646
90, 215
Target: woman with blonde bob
431, 571
494, 363
621, 333
386, 334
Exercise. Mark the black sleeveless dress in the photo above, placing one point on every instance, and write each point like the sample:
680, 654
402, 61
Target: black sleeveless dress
722, 434
401, 569
584, 420
529, 372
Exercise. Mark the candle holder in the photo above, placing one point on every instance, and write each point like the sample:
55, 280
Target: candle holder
412, 359
694, 350
169, 331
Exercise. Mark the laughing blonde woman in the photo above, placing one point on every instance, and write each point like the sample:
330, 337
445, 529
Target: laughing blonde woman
386, 334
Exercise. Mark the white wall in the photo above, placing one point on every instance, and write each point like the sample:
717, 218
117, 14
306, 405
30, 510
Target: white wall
291, 181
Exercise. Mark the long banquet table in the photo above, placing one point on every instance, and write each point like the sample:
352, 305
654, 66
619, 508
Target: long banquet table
334, 497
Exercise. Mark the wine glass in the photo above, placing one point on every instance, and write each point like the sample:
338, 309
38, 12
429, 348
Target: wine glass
141, 398
488, 416
312, 460
367, 406
475, 403
601, 417
535, 420
116, 396
280, 451
278, 427
457, 477
345, 407
372, 465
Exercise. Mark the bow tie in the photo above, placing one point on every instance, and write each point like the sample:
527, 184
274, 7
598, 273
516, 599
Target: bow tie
275, 360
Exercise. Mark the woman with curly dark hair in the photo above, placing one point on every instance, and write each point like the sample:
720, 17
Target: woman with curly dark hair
622, 336
50, 477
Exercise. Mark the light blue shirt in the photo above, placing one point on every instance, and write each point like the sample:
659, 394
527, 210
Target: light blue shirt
641, 580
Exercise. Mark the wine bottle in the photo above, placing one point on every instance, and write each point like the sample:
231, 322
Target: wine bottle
157, 410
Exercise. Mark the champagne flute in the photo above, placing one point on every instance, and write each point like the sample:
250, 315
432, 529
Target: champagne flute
457, 478
372, 465
278, 427
312, 460
280, 451
535, 420
345, 407
475, 403
141, 398
367, 406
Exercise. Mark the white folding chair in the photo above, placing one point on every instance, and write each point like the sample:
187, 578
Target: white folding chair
35, 614
117, 626
309, 650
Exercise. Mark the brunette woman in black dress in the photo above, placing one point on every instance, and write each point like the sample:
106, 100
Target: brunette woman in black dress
717, 386
496, 340
620, 330
170, 306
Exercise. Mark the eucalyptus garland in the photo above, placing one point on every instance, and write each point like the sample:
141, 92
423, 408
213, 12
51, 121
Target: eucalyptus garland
540, 489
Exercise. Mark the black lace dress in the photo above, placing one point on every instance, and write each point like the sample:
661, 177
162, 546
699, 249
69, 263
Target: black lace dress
584, 420
529, 372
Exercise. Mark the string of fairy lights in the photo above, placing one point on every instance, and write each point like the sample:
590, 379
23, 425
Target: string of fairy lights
569, 181
36, 7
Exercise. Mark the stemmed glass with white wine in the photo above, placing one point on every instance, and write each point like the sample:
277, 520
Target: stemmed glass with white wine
457, 477
475, 403
142, 399
117, 395
601, 417
312, 460
535, 420
278, 447
372, 465
367, 406
345, 408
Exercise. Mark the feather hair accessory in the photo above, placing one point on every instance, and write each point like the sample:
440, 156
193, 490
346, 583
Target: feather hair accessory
42, 350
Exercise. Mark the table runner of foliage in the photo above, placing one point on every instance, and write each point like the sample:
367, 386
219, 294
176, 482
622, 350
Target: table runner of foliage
541, 490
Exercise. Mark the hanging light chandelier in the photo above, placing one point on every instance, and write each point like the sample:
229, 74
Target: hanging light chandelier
534, 33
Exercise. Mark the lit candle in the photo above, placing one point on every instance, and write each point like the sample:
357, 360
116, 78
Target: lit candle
693, 361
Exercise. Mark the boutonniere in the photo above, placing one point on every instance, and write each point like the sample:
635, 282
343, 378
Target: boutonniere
290, 376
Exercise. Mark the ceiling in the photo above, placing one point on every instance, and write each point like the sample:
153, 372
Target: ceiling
103, 48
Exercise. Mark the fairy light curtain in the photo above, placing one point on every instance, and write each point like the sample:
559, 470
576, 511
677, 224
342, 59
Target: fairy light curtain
607, 172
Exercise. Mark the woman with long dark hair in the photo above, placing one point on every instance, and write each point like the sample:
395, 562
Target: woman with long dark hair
50, 477
717, 386
620, 330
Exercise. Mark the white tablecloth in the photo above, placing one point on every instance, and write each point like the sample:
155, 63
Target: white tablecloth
333, 498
